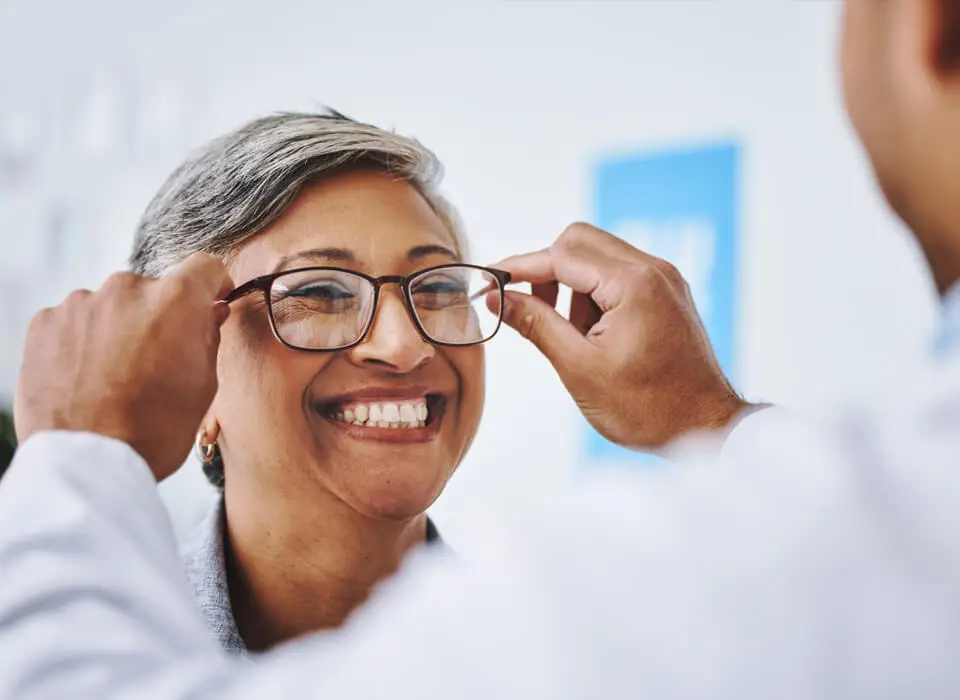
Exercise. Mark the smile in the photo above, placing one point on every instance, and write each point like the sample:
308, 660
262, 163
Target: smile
413, 419
388, 414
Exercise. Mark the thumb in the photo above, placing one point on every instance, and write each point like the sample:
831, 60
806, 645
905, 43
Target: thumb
540, 323
221, 312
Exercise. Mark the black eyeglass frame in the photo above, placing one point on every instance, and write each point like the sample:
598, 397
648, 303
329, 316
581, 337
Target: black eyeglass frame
265, 282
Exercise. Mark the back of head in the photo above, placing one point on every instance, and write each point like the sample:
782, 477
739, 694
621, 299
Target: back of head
901, 70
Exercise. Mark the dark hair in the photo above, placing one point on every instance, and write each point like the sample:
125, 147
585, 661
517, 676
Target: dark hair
8, 440
213, 469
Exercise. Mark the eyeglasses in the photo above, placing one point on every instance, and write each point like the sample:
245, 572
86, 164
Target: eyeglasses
321, 309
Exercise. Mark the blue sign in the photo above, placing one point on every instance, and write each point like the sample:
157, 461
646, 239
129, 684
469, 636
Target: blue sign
682, 206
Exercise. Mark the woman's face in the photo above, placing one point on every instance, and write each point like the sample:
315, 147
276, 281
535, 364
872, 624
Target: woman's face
277, 408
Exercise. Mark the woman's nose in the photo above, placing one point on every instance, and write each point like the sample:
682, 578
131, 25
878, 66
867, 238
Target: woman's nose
393, 340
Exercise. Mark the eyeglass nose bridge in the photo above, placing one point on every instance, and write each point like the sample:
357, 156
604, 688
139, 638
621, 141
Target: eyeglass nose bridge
384, 281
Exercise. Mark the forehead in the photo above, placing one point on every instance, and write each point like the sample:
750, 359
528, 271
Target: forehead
359, 220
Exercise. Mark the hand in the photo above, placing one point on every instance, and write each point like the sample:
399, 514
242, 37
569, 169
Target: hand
135, 361
634, 354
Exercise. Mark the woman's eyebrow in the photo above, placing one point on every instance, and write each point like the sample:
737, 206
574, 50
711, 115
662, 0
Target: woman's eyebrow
347, 256
424, 251
338, 255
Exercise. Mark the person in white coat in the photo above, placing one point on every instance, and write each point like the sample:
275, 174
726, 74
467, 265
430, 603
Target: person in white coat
794, 560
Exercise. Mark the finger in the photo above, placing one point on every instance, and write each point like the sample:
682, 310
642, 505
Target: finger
492, 301
584, 235
580, 244
209, 271
221, 312
76, 297
553, 335
584, 312
547, 291
534, 267
584, 269
213, 345
581, 273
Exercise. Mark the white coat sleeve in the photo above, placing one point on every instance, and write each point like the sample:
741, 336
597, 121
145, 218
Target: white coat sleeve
92, 597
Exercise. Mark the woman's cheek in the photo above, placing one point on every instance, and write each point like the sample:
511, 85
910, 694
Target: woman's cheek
469, 364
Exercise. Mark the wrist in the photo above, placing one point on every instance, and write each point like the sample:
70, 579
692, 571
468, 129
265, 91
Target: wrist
724, 411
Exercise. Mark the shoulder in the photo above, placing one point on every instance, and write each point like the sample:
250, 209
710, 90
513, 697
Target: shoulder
204, 564
202, 551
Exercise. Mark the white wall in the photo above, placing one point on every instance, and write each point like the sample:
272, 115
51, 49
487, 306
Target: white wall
519, 99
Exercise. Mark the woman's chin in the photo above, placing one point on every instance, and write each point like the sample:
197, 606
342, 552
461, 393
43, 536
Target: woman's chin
392, 500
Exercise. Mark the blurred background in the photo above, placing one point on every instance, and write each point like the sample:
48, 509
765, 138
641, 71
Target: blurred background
709, 132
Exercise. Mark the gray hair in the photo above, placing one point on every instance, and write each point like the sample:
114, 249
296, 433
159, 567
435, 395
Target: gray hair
241, 183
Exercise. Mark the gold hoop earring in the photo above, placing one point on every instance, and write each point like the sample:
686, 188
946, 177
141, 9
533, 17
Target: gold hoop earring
206, 451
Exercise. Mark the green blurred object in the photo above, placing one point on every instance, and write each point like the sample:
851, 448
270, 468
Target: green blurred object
8, 440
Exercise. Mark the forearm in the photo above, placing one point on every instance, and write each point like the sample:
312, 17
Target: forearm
93, 601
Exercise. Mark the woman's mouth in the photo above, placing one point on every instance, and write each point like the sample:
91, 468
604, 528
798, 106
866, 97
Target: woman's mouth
411, 419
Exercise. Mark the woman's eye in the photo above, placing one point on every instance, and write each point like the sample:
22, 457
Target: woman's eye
324, 292
440, 293
448, 287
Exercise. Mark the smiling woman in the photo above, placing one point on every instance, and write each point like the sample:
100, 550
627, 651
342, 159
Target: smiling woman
351, 372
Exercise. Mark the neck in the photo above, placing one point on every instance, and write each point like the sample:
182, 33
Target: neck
298, 568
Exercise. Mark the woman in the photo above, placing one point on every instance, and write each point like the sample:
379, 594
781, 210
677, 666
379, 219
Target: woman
351, 383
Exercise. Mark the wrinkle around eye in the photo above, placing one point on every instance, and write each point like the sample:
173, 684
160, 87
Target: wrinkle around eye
306, 306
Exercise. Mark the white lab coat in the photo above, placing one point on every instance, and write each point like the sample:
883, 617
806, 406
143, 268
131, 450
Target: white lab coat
807, 562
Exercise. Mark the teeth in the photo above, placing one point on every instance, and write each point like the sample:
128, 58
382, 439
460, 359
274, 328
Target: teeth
392, 415
391, 412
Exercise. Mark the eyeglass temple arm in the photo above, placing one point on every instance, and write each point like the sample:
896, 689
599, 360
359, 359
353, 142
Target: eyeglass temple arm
504, 279
243, 290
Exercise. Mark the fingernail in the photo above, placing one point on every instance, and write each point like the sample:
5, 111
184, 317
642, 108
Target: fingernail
221, 312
